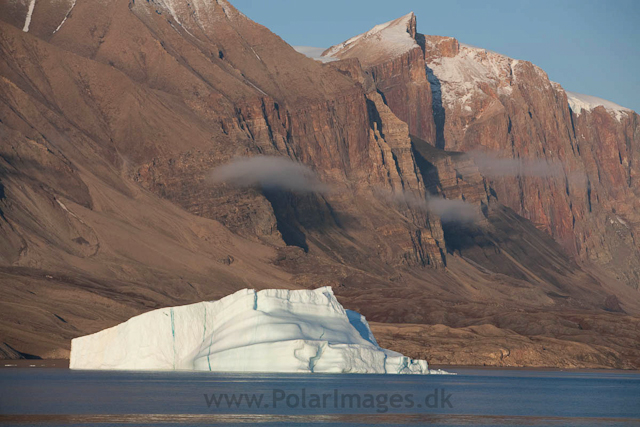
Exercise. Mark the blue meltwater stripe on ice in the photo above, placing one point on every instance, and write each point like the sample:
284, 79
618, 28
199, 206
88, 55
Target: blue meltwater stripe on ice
173, 333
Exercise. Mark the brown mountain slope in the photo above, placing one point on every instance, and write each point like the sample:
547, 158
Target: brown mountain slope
111, 126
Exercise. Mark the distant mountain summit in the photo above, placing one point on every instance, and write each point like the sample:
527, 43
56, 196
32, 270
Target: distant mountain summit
384, 41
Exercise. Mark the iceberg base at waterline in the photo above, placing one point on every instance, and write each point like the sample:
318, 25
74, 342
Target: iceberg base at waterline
273, 330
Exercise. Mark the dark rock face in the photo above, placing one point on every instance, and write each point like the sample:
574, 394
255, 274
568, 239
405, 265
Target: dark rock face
398, 72
609, 149
452, 174
403, 82
589, 204
110, 128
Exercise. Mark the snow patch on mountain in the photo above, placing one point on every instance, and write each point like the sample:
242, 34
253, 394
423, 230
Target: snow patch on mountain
225, 9
314, 53
65, 17
391, 39
459, 79
579, 102
27, 20
273, 330
195, 15
461, 76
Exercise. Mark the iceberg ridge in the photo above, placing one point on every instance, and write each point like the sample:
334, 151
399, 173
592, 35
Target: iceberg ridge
273, 330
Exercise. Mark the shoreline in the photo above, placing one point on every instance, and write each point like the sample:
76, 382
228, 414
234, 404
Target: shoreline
64, 364
34, 363
532, 368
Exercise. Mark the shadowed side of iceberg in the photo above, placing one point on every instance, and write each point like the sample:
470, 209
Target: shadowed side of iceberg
273, 330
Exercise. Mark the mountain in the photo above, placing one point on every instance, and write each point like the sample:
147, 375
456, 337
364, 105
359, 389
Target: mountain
486, 101
391, 55
115, 113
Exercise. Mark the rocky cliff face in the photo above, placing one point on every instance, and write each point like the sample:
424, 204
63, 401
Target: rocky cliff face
113, 119
546, 161
607, 138
390, 53
488, 101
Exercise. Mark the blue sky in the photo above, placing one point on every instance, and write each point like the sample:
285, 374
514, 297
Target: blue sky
587, 46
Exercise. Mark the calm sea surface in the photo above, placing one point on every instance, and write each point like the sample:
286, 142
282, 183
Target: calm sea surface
473, 397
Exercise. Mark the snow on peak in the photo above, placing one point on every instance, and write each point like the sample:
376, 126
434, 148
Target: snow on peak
273, 330
579, 102
314, 53
457, 71
456, 79
390, 39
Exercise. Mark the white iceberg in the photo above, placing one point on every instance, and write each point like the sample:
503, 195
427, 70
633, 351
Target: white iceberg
274, 330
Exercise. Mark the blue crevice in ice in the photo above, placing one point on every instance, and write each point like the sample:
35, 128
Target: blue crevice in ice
173, 333
209, 355
403, 365
204, 324
204, 333
254, 335
313, 360
204, 327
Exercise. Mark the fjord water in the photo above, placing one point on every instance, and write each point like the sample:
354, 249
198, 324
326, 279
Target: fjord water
473, 397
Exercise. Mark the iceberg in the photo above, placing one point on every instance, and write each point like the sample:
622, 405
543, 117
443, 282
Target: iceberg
273, 330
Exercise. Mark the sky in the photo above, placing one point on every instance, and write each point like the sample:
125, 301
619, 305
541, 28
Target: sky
588, 46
